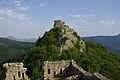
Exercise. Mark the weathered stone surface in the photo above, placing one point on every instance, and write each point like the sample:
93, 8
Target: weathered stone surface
15, 71
69, 38
69, 70
99, 76
58, 23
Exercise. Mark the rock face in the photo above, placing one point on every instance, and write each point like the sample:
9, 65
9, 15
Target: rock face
15, 71
69, 38
69, 70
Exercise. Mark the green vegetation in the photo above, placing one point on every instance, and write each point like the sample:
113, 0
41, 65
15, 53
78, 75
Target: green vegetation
11, 50
50, 37
95, 59
45, 49
110, 42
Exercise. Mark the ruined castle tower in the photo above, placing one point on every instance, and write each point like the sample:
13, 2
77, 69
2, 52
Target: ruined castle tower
59, 23
15, 71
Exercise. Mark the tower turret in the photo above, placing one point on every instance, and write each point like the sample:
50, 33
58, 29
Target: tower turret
59, 23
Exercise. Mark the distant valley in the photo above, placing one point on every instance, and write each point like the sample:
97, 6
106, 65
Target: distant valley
112, 43
22, 40
11, 49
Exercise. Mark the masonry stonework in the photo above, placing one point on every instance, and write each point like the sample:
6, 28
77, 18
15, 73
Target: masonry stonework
68, 70
59, 23
15, 71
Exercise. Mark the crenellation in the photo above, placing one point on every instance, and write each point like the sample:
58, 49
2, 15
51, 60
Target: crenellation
59, 23
15, 71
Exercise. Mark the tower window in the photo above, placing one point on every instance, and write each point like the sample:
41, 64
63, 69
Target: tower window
60, 71
48, 71
23, 75
14, 78
54, 73
18, 74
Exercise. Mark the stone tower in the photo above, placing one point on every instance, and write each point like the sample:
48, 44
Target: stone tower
15, 71
59, 23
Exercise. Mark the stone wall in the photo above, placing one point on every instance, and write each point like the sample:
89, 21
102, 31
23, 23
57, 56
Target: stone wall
68, 70
52, 69
59, 23
15, 71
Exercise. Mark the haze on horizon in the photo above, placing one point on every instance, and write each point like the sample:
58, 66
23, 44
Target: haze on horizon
31, 18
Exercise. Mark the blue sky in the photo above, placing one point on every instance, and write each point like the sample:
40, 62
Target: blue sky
31, 18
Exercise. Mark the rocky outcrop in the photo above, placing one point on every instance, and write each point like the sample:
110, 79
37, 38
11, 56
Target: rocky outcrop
15, 71
70, 38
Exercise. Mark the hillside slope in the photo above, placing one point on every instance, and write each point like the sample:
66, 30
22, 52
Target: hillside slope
10, 49
56, 45
110, 42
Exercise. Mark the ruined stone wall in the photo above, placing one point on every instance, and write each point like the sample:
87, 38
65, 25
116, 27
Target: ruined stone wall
58, 23
15, 71
51, 69
60, 69
69, 70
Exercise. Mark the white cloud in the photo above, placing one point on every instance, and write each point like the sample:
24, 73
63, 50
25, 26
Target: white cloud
80, 15
55, 17
32, 23
24, 29
5, 20
17, 3
42, 4
23, 8
13, 14
85, 22
107, 22
20, 6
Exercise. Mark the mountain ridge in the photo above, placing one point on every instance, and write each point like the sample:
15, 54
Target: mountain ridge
115, 40
22, 40
110, 42
10, 49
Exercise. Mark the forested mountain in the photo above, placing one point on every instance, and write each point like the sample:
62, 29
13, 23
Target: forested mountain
109, 42
63, 43
10, 49
112, 43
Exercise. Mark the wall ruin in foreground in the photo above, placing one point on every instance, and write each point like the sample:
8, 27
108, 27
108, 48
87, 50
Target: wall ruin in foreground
15, 71
68, 70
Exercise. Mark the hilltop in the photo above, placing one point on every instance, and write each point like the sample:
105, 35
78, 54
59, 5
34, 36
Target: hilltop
63, 43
